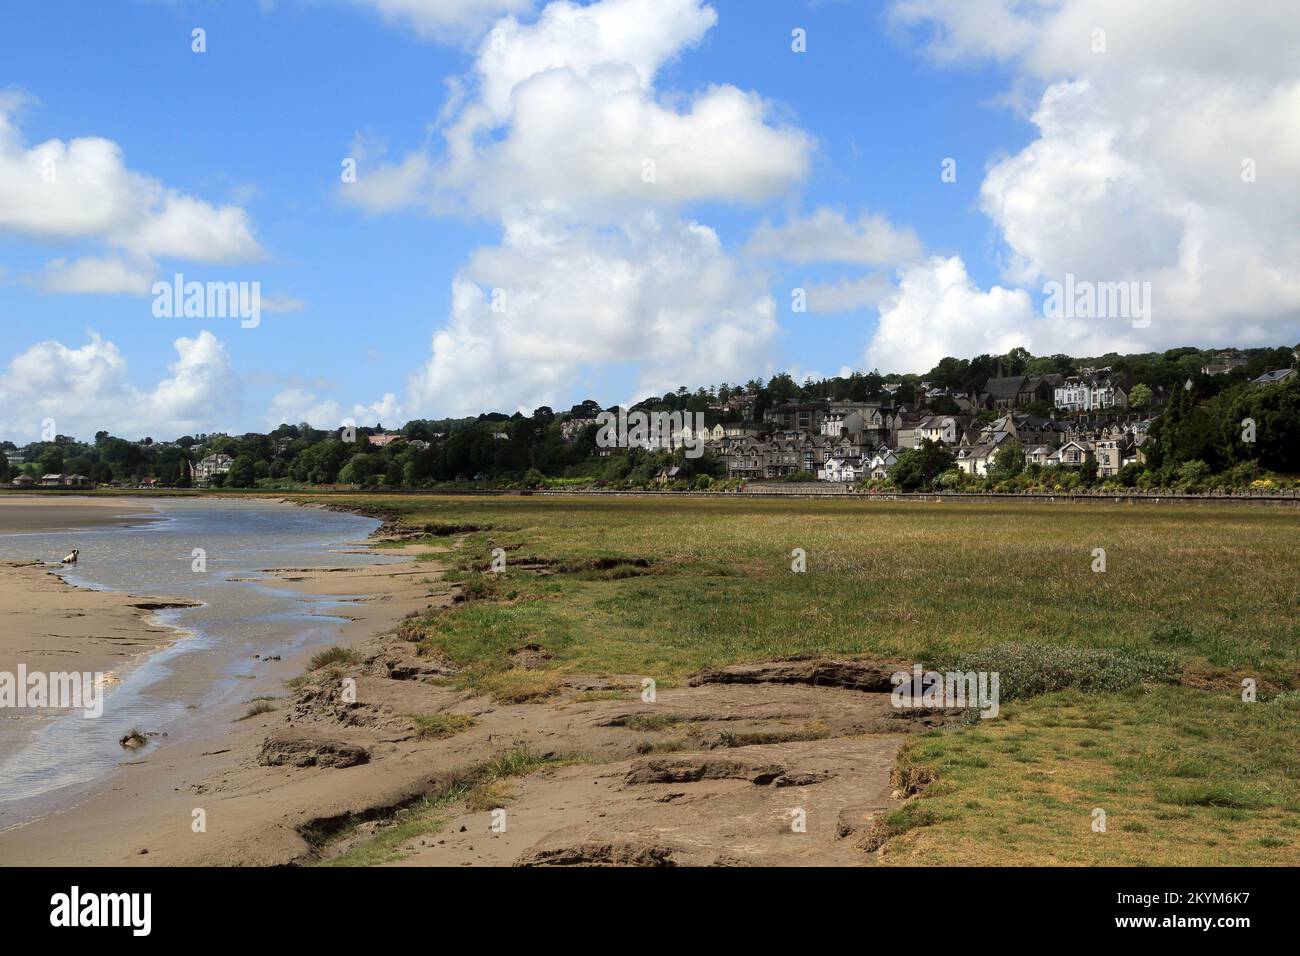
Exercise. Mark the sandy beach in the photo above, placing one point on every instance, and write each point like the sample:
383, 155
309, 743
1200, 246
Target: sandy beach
49, 625
144, 815
33, 513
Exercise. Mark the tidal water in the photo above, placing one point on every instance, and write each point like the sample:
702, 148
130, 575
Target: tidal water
212, 664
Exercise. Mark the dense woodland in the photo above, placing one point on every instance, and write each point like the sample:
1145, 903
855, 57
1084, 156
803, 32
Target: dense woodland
1194, 441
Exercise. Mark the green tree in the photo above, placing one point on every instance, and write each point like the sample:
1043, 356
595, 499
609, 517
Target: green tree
52, 460
918, 467
1008, 461
242, 473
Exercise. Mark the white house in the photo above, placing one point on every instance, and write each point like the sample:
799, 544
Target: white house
841, 469
1072, 454
212, 466
975, 459
880, 465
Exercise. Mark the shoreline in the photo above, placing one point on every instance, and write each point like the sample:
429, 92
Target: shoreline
51, 625
97, 629
142, 815
272, 790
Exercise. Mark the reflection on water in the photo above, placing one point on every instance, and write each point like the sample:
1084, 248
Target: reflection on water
214, 663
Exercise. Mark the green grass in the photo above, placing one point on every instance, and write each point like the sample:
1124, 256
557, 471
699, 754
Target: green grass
477, 791
1168, 793
1215, 586
333, 655
1197, 594
259, 707
438, 726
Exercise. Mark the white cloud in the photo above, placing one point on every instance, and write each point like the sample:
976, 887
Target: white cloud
593, 42
1136, 173
665, 299
939, 311
187, 228
446, 19
59, 191
562, 137
849, 295
79, 387
93, 274
278, 302
386, 187
826, 236
564, 117
387, 408
1054, 39
295, 405
588, 148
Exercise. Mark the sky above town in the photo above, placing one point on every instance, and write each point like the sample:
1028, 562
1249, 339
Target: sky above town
455, 206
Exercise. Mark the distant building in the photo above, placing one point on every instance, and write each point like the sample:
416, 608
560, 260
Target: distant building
210, 467
384, 438
1093, 390
1003, 394
801, 416
1275, 377
63, 481
1223, 362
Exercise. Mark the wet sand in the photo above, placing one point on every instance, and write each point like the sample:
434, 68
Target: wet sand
22, 514
50, 625
145, 816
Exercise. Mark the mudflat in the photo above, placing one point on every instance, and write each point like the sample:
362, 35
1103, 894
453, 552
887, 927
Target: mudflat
56, 512
50, 625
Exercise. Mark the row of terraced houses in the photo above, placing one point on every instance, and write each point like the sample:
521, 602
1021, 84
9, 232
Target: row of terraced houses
843, 441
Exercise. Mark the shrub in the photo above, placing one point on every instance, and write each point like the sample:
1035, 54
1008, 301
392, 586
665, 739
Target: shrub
260, 707
333, 655
1029, 669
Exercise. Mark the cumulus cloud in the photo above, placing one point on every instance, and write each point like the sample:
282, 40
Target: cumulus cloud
938, 310
296, 405
531, 315
82, 189
74, 385
1169, 156
826, 236
561, 135
849, 295
563, 115
94, 274
446, 19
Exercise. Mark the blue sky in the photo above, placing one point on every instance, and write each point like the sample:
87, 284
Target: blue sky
258, 125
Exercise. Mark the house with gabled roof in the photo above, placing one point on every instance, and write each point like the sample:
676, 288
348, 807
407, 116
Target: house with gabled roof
842, 469
1275, 377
